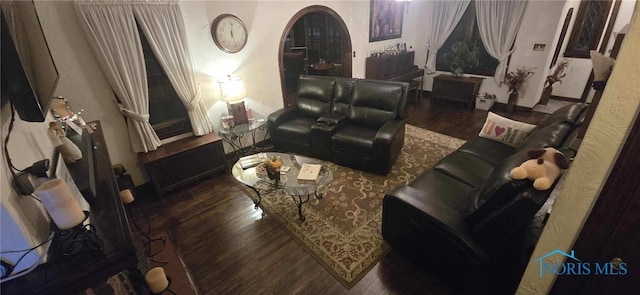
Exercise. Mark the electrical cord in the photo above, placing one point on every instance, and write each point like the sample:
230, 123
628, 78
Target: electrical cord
12, 168
32, 267
35, 197
148, 241
30, 249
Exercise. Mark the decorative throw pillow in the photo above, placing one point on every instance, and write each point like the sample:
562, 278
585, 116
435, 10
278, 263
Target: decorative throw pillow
505, 130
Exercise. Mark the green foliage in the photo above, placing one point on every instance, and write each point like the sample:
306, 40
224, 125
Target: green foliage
463, 56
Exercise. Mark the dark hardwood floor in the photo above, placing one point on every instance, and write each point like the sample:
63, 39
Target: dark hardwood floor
231, 248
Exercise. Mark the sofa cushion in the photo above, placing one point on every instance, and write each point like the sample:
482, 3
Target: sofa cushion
566, 114
314, 96
296, 130
505, 130
444, 188
342, 95
487, 149
353, 139
498, 190
550, 136
466, 167
375, 102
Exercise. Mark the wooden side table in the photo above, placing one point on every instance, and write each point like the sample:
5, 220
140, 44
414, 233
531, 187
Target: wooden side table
459, 89
181, 162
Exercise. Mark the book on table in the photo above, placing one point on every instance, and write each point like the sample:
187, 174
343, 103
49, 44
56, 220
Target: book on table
251, 161
309, 172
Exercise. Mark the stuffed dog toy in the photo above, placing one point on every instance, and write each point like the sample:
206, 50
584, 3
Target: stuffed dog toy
544, 166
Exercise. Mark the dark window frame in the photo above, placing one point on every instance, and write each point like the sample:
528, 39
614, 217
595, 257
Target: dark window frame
573, 49
160, 89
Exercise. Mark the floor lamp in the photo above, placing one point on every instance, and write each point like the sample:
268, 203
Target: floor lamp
234, 93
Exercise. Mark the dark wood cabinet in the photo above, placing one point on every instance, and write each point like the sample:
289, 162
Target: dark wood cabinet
458, 89
176, 164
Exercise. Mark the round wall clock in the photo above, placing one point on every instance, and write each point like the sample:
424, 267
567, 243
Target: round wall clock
229, 33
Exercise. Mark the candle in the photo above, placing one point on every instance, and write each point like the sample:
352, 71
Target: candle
60, 203
157, 280
126, 196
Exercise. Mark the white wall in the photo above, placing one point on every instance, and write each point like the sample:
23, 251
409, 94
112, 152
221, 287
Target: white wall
613, 119
541, 23
257, 63
24, 223
573, 84
536, 27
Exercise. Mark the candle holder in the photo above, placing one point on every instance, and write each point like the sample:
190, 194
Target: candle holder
79, 239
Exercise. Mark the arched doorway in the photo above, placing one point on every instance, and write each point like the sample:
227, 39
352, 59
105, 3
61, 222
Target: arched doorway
315, 42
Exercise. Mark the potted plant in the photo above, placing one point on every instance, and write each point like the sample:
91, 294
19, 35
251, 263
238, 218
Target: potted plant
485, 100
515, 80
556, 76
462, 56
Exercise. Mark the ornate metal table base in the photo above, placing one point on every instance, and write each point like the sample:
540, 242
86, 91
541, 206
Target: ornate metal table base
298, 199
301, 201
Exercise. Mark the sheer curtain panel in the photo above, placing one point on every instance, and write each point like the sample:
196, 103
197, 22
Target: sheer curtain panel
498, 24
444, 16
111, 31
162, 24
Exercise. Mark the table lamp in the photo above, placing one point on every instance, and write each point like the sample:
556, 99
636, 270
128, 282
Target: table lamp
233, 92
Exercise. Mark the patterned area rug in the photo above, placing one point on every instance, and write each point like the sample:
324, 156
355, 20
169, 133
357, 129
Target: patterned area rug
342, 231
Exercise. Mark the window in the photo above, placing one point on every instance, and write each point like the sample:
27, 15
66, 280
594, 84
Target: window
588, 28
167, 114
467, 31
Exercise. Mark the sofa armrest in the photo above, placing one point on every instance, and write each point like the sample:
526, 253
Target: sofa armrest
431, 232
321, 134
387, 145
280, 116
388, 131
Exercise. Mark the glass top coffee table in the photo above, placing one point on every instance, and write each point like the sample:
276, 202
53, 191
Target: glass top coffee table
249, 171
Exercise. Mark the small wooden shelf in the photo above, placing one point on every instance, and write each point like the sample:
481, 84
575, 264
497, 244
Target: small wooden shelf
178, 163
458, 89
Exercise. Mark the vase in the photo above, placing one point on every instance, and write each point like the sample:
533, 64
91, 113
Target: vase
513, 98
546, 94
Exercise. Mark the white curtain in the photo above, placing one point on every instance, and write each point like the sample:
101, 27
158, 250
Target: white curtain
444, 16
111, 31
498, 24
162, 24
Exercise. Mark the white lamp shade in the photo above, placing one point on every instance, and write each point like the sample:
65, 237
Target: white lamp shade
232, 89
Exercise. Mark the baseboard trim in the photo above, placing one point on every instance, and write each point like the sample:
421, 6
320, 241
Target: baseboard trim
503, 107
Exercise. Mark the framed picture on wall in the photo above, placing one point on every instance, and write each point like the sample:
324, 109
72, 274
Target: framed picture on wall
385, 21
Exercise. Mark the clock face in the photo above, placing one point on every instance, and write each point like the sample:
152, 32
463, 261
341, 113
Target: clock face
229, 33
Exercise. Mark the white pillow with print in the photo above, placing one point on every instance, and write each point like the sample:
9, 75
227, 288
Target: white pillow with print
505, 130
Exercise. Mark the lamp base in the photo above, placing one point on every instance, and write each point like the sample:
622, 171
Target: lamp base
238, 111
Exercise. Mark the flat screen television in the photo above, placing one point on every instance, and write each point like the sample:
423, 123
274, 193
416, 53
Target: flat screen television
29, 75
